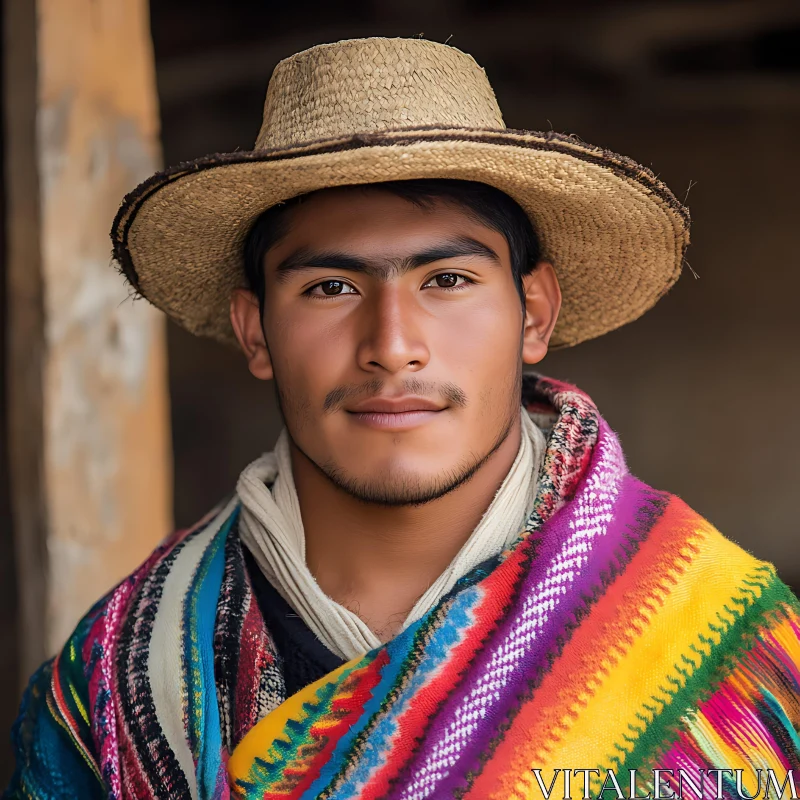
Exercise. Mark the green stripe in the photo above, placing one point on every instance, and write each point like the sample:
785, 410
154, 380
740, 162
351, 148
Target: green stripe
655, 736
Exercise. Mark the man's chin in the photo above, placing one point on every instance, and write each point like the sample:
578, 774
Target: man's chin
400, 487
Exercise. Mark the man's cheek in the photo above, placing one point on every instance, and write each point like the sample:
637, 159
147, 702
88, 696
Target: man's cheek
477, 347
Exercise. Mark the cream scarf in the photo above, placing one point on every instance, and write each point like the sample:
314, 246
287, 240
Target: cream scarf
271, 527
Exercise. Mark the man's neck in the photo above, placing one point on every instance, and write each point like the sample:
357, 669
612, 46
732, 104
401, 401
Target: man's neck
377, 560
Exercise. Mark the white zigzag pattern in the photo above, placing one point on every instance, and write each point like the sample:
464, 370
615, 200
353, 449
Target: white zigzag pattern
591, 511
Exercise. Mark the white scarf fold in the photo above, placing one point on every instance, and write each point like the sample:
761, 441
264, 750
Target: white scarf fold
271, 527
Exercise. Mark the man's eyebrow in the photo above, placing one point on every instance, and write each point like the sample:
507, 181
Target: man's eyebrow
457, 247
305, 258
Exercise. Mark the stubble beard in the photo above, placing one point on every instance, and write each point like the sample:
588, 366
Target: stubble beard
409, 488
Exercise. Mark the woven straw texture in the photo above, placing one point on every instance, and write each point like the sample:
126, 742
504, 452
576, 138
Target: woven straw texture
370, 110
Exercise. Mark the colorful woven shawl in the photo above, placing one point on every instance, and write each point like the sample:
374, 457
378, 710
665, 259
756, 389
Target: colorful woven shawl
621, 632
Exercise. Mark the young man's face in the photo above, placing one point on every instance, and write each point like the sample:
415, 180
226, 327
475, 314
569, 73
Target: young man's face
396, 339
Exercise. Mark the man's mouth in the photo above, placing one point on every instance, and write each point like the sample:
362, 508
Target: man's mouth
395, 413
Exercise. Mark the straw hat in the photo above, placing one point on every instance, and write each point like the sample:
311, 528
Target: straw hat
369, 110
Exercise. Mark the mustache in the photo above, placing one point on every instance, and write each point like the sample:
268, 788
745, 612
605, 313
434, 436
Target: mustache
446, 391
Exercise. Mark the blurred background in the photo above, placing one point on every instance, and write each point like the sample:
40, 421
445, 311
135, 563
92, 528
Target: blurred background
117, 425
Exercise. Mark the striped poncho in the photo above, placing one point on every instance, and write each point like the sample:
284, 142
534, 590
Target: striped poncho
621, 632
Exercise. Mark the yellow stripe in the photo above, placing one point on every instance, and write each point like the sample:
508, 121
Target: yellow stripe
56, 714
259, 739
646, 673
787, 638
79, 703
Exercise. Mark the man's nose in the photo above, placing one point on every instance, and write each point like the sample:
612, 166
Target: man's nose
392, 334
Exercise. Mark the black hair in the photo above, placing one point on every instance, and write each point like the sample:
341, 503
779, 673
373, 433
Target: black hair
493, 208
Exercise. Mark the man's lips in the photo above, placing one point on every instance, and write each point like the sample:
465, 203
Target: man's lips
394, 405
394, 413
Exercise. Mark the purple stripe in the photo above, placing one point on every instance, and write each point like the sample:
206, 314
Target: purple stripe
578, 545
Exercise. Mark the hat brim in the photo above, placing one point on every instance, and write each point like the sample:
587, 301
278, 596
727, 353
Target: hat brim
615, 233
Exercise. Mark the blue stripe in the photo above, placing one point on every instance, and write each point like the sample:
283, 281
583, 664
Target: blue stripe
199, 619
437, 651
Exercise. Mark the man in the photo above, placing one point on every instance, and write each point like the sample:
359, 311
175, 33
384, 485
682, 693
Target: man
443, 582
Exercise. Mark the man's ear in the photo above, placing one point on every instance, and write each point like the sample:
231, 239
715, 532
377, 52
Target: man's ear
542, 304
246, 322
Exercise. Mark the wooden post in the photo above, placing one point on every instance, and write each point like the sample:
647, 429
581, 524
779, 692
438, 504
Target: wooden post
89, 445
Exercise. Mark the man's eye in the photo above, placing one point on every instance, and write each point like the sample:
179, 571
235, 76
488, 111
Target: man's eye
331, 289
448, 280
